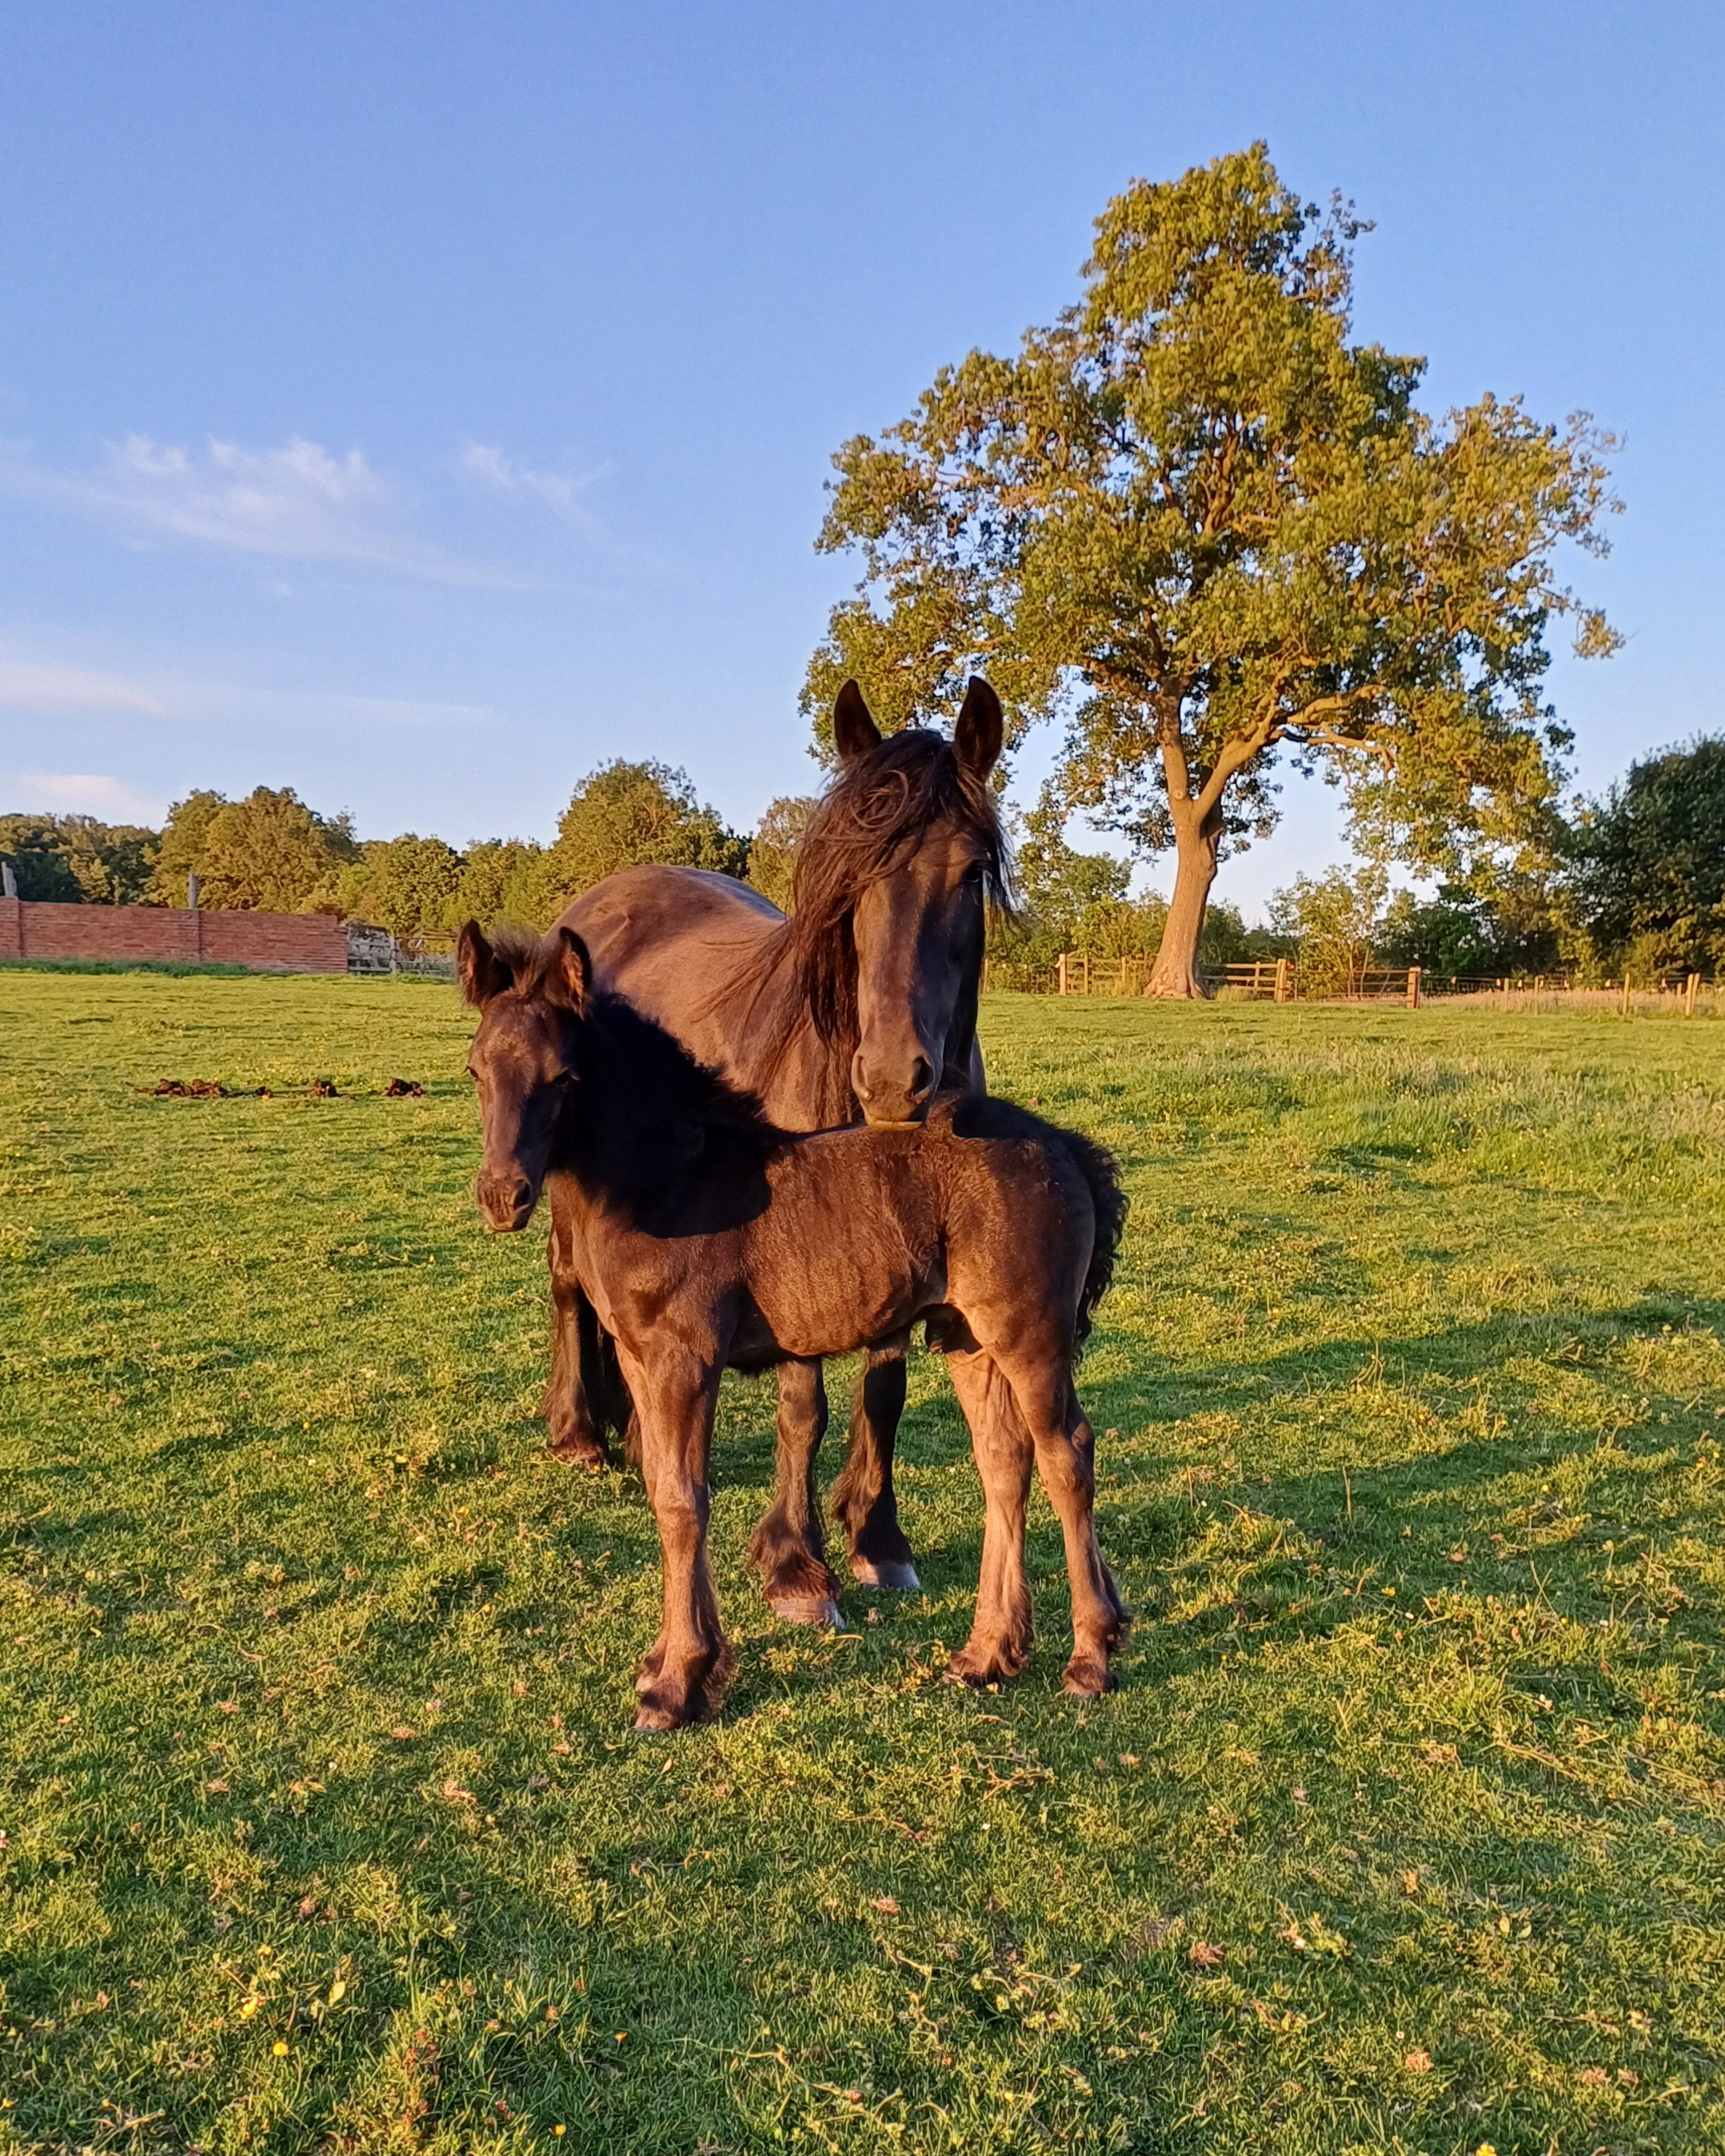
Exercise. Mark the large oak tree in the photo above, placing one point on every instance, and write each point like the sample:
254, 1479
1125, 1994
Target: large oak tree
1196, 521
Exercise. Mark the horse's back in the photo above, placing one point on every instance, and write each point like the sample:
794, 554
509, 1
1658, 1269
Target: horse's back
689, 950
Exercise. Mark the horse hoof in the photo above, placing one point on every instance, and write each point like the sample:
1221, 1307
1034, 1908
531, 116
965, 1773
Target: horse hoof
1088, 1680
655, 1722
579, 1452
884, 1572
805, 1610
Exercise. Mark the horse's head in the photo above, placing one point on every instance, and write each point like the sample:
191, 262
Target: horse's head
918, 914
532, 998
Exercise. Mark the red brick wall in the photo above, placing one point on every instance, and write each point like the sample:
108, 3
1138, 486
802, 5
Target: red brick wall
277, 942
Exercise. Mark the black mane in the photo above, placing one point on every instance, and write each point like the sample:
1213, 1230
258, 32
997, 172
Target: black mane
874, 814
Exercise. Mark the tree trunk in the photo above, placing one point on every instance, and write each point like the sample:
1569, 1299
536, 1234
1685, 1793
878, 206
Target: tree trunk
1196, 844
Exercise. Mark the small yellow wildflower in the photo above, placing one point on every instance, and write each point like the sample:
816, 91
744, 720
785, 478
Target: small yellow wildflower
280, 2050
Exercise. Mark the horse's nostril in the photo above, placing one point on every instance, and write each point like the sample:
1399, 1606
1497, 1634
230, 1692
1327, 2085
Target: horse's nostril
921, 1078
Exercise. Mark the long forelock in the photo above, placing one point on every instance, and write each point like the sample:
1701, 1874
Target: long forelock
534, 963
871, 819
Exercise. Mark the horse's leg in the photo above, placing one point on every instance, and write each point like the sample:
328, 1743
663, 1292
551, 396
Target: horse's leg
789, 1548
1065, 1459
567, 1405
862, 1498
999, 1642
682, 1677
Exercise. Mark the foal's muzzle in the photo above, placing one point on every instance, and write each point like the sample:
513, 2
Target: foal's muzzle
506, 1201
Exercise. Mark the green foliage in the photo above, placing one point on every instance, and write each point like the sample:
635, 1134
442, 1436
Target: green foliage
1513, 930
269, 853
180, 855
1405, 1822
1197, 520
504, 879
1332, 921
78, 860
772, 850
624, 814
1648, 866
410, 885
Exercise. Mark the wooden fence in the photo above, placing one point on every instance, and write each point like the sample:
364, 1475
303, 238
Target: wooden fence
1278, 980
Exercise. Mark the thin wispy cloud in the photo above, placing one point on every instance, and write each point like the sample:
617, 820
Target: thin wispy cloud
82, 794
298, 502
38, 686
496, 472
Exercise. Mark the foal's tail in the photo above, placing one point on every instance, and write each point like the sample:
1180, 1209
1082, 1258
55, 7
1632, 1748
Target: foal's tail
1101, 1174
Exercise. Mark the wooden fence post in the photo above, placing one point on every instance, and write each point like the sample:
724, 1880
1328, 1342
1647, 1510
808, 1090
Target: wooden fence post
1690, 994
1413, 988
1625, 991
1063, 972
1281, 980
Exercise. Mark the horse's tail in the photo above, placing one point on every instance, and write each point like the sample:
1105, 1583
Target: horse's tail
601, 1379
1102, 1174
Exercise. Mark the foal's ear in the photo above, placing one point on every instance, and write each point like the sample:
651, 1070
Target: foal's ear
854, 729
980, 730
481, 973
574, 969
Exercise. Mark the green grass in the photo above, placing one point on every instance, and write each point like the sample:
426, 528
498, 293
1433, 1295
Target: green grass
324, 1826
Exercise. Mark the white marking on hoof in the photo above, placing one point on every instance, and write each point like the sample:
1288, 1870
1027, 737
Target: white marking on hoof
901, 1579
807, 1610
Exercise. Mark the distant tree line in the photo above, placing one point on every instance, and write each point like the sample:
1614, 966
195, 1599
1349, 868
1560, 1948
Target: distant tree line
1634, 881
273, 852
1632, 886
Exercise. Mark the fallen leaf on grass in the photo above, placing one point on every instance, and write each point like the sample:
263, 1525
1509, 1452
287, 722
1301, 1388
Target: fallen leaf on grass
1202, 1955
885, 1904
403, 1734
1594, 2077
1418, 2062
1440, 1755
218, 1788
456, 1794
538, 1781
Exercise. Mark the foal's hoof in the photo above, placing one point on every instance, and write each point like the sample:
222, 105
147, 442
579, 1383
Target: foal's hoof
888, 1572
805, 1610
979, 1666
1088, 1678
579, 1451
657, 1721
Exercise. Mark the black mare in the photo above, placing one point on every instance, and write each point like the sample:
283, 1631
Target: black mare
859, 1006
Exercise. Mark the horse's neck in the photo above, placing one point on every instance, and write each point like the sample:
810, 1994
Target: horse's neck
776, 1052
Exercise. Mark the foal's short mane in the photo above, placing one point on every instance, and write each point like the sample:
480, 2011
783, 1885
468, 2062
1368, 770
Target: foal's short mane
873, 818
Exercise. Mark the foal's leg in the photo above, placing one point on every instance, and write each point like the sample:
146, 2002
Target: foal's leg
999, 1642
789, 1548
683, 1677
862, 1498
575, 1430
1065, 1459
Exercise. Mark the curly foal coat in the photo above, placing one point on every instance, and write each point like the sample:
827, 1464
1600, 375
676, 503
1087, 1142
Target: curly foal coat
692, 1225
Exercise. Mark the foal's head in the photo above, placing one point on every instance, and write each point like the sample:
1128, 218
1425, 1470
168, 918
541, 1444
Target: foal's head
894, 877
532, 997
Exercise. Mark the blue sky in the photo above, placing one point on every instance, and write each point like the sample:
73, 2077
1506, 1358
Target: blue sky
416, 404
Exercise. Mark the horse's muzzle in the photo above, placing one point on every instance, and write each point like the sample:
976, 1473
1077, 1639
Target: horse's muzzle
506, 1201
893, 1107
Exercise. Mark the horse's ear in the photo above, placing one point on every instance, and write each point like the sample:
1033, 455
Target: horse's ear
980, 730
854, 729
482, 974
574, 969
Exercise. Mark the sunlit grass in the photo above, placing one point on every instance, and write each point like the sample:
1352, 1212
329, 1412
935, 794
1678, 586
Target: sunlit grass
324, 1826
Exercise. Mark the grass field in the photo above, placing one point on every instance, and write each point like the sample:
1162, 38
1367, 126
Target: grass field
323, 1827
